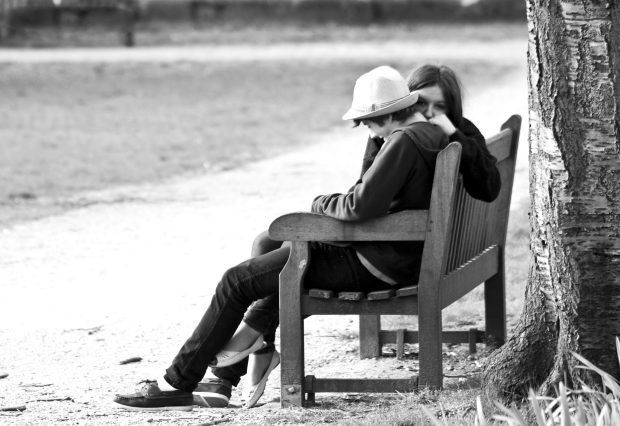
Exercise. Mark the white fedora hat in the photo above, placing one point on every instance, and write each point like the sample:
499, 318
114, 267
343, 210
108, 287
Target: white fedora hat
378, 92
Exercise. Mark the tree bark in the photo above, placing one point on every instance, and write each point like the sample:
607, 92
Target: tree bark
573, 290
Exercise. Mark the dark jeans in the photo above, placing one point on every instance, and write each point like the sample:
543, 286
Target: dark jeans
331, 268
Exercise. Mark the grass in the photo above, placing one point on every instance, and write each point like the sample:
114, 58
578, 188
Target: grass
589, 405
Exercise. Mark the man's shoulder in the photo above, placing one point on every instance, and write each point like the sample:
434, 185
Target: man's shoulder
424, 134
420, 130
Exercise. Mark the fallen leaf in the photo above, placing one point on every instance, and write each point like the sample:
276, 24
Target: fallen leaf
35, 385
130, 360
15, 408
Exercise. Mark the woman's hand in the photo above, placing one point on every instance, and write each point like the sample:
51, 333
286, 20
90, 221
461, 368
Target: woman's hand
444, 123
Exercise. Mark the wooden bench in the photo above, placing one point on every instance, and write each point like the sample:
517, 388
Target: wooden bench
127, 11
464, 247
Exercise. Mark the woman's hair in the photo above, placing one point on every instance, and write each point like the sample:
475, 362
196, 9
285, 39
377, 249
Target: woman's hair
444, 77
400, 115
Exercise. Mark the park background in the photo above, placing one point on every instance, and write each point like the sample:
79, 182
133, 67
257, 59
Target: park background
132, 177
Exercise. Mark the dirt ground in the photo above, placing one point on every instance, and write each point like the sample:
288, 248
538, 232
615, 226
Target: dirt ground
129, 274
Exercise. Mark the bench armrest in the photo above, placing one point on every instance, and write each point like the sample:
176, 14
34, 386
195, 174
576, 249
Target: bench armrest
408, 225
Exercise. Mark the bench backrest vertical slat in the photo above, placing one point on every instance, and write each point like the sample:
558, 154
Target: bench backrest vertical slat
440, 220
478, 225
457, 226
469, 225
507, 151
476, 229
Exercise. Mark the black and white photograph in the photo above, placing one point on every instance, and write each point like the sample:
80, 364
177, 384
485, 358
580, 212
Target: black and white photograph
310, 212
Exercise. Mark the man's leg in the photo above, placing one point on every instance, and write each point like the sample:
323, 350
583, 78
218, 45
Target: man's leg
240, 286
252, 280
263, 244
216, 391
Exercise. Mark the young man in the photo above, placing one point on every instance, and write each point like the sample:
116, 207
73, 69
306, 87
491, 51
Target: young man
399, 178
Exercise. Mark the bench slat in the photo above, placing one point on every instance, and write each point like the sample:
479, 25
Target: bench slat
351, 295
335, 306
312, 384
467, 277
411, 290
380, 295
499, 145
318, 293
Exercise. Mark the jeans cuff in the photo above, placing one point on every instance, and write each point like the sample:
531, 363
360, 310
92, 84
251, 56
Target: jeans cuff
173, 380
258, 322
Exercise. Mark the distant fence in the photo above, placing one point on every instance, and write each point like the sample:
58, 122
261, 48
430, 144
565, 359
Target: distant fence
13, 12
346, 11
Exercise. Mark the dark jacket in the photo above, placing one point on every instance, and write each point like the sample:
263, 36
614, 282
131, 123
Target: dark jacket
479, 168
400, 177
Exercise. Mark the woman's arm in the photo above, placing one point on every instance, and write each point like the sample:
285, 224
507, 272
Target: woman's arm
479, 168
373, 145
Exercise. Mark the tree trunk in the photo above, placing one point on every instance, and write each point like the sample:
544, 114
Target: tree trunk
5, 19
573, 290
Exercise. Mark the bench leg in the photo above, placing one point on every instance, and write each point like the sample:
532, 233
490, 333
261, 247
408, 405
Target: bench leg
292, 361
431, 363
495, 309
430, 338
400, 343
292, 327
370, 327
473, 337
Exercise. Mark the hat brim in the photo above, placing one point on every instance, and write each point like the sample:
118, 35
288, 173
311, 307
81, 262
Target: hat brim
356, 114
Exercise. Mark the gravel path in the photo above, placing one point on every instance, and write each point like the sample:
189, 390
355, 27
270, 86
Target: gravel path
128, 274
414, 51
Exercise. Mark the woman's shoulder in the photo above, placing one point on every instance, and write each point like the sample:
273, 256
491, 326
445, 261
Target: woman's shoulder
469, 128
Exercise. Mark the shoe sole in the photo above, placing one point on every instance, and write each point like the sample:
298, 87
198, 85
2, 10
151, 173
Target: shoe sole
238, 356
210, 400
169, 408
260, 387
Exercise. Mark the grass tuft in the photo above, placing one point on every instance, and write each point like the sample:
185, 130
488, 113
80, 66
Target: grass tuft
581, 407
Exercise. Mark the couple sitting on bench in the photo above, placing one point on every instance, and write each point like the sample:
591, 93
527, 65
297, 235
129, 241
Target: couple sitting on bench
408, 124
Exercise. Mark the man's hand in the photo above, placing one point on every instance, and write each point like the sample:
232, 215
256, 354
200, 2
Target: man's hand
444, 123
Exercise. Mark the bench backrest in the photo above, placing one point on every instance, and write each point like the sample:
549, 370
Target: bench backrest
477, 225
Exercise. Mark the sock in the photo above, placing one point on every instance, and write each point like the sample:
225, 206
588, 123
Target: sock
164, 385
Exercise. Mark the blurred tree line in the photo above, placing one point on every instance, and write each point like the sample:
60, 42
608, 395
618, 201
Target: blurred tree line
41, 12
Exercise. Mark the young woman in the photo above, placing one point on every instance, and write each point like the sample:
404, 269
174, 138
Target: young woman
399, 178
440, 101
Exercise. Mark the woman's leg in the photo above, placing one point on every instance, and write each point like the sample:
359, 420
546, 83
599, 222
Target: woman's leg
234, 372
331, 267
262, 245
252, 280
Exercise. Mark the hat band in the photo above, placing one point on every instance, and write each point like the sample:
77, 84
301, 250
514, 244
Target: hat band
379, 106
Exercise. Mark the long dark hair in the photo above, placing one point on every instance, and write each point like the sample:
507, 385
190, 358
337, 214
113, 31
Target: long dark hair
444, 77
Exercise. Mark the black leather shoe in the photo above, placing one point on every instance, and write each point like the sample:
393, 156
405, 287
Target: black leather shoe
149, 397
212, 392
